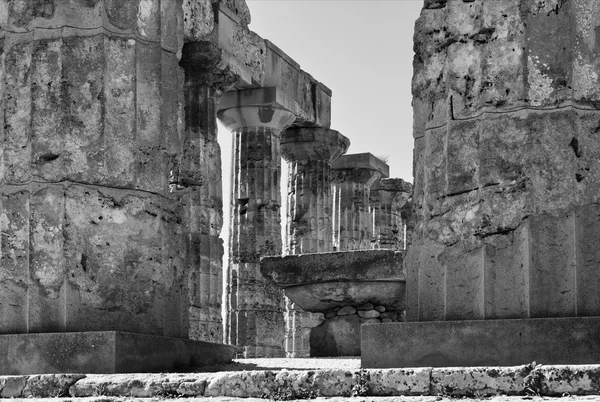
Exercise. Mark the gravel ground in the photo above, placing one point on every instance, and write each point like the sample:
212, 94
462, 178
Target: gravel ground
274, 364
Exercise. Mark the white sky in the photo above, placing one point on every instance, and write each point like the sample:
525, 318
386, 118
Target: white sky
362, 51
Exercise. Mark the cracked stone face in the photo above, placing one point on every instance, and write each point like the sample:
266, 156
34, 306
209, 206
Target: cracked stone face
506, 174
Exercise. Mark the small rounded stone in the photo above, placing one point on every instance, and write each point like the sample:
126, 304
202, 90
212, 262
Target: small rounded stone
381, 309
366, 306
346, 310
368, 313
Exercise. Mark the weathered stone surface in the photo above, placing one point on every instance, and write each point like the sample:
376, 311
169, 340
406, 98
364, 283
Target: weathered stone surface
308, 268
387, 199
338, 336
256, 118
242, 384
346, 310
353, 177
91, 150
140, 385
309, 153
365, 306
320, 297
105, 352
479, 381
504, 110
399, 381
198, 19
368, 313
48, 386
481, 342
489, 383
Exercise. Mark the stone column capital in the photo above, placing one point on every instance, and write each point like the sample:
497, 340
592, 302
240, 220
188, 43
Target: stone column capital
313, 143
261, 107
362, 168
392, 191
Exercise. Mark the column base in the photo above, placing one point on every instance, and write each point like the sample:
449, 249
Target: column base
105, 352
481, 343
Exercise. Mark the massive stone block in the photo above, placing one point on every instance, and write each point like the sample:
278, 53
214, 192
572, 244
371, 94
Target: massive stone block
95, 237
506, 107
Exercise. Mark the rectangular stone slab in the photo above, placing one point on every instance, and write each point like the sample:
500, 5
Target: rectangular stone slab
105, 352
481, 342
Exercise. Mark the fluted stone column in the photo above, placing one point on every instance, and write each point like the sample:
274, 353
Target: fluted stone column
256, 118
91, 103
387, 202
309, 153
353, 176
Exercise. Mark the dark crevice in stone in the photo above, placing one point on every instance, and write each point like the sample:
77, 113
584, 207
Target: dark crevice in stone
49, 157
574, 144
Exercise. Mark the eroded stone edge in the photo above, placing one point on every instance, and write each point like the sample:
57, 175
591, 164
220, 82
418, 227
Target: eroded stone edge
450, 381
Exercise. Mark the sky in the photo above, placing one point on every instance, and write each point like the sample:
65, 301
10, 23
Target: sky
362, 51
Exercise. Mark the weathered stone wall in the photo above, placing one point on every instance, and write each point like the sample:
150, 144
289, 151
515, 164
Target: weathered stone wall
91, 107
507, 189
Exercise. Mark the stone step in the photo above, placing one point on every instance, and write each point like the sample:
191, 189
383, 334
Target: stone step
471, 382
500, 398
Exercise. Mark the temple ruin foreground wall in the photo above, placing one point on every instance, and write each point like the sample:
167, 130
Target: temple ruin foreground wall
507, 178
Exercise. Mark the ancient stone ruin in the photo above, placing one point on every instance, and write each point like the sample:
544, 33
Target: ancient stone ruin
111, 186
503, 267
111, 193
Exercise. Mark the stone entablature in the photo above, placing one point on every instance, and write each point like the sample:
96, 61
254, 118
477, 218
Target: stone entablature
255, 62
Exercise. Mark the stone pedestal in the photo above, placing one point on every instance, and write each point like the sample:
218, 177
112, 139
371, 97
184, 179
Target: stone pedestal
309, 153
349, 288
547, 341
387, 201
353, 177
255, 310
105, 352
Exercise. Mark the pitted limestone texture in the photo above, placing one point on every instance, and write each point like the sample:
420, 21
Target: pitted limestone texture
489, 382
91, 107
353, 177
506, 188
